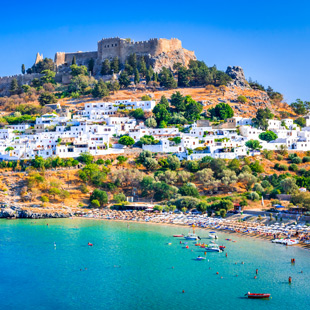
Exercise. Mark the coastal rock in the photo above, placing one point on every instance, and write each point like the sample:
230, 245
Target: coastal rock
7, 213
238, 78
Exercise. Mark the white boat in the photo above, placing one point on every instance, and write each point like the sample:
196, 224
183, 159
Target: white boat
212, 248
191, 236
213, 235
200, 258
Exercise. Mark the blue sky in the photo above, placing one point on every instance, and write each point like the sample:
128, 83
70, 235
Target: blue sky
269, 39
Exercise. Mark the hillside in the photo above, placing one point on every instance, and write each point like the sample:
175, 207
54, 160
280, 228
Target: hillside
209, 96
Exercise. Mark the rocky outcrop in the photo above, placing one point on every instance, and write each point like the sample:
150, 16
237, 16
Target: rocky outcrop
167, 59
16, 212
238, 78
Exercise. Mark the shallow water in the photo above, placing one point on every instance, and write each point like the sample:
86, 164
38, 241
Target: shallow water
131, 268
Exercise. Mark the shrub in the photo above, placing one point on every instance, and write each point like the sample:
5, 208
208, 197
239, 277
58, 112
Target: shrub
306, 159
95, 203
253, 196
44, 199
297, 160
279, 157
283, 167
293, 167
84, 189
223, 213
119, 197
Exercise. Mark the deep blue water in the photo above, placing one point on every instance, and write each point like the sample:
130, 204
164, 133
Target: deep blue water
131, 268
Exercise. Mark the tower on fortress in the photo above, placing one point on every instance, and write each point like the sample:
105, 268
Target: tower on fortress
110, 48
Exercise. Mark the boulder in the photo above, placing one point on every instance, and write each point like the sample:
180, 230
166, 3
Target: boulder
238, 78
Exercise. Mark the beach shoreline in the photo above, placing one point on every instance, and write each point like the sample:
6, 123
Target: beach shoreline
239, 234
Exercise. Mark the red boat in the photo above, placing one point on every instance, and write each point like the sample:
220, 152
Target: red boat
222, 247
257, 296
178, 236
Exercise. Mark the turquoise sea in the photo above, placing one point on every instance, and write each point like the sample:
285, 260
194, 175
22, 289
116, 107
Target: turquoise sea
131, 268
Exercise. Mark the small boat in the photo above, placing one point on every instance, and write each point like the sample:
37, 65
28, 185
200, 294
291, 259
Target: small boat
213, 248
169, 243
178, 236
200, 258
257, 296
222, 247
213, 235
191, 236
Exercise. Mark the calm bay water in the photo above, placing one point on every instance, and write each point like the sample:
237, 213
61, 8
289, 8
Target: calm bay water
131, 268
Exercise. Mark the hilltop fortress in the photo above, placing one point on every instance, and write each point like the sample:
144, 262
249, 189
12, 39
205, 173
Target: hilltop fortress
157, 52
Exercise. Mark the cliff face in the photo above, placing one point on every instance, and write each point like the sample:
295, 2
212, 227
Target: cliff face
167, 59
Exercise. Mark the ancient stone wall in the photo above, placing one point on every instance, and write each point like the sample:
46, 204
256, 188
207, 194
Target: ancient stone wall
82, 58
22, 79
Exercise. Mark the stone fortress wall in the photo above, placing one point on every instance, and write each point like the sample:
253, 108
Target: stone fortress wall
110, 48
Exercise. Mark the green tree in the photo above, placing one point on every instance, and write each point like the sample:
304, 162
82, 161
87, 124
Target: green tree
150, 163
14, 88
146, 98
173, 162
151, 122
262, 117
184, 77
300, 121
178, 101
142, 66
86, 158
45, 64
78, 70
124, 80
268, 136
300, 107
161, 113
189, 189
137, 114
99, 195
132, 60
166, 79
119, 197
126, 140
253, 145
91, 64
222, 111
47, 98
23, 69
106, 67
164, 101
115, 65
193, 109
49, 77
100, 90
137, 77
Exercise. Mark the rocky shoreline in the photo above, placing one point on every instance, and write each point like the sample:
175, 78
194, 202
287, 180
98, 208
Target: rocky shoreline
17, 212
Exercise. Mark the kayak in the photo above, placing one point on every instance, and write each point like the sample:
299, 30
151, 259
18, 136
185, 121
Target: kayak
257, 296
178, 236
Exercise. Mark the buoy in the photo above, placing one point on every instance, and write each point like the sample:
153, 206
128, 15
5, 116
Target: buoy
289, 280
183, 291
205, 253
187, 246
226, 254
217, 273
180, 242
255, 277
